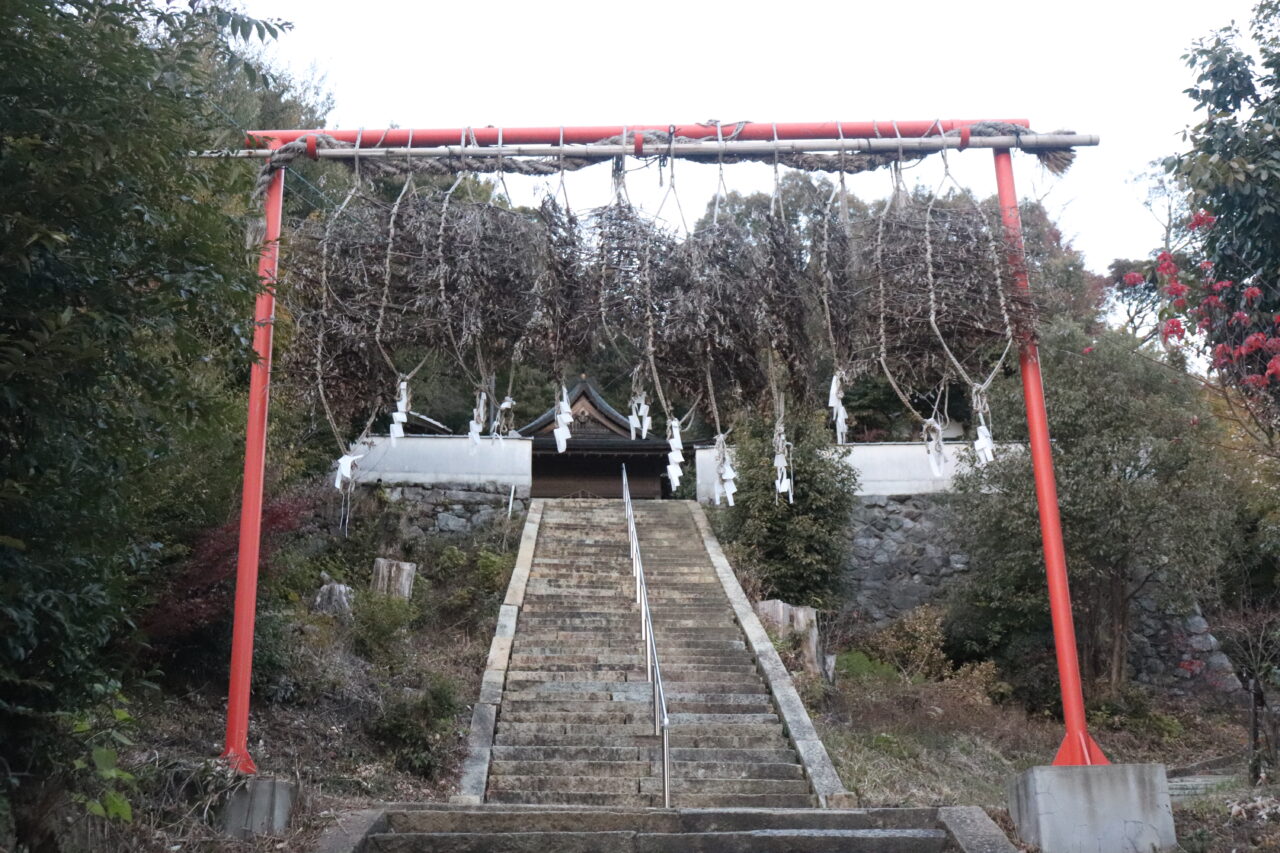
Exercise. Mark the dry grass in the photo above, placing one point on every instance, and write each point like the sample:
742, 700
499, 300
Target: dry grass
897, 743
1206, 825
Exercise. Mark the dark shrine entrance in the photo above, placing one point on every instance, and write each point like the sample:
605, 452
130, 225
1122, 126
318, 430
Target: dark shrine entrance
601, 444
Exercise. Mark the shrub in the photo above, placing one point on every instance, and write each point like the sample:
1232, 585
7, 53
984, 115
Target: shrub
379, 625
418, 729
796, 548
913, 645
858, 666
1145, 501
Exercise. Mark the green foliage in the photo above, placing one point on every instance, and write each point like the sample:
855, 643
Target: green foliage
101, 785
1141, 497
859, 667
464, 583
380, 624
796, 548
419, 730
125, 298
1130, 709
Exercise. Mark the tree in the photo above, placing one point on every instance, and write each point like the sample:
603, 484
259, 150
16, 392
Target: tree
1231, 174
1144, 507
125, 298
797, 548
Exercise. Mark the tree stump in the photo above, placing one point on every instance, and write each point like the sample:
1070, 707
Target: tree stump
789, 619
392, 577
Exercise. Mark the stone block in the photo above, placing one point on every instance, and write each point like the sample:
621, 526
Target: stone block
449, 523
1116, 808
262, 806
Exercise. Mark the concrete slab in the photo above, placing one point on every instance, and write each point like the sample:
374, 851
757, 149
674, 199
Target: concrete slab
524, 557
491, 686
262, 806
971, 830
1116, 808
484, 716
350, 829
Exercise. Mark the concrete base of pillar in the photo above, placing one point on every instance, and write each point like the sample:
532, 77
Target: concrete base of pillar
1115, 808
262, 806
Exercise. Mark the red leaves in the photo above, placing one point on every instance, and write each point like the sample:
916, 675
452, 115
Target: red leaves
1252, 294
1133, 278
1239, 317
1253, 343
1223, 355
1201, 219
1176, 289
1255, 381
1172, 328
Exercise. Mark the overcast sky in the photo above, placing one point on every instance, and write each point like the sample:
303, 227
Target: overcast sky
1107, 68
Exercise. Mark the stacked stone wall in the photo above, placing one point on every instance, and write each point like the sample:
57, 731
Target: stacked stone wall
902, 555
452, 509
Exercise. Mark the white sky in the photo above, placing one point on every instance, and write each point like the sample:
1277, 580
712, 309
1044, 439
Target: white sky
1108, 68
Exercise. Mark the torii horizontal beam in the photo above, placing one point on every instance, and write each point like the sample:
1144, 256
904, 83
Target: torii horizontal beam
400, 137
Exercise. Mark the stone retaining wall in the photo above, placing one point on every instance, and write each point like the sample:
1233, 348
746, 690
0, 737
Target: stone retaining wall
452, 509
902, 556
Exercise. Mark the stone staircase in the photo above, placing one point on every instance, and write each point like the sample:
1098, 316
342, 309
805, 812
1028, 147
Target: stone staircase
575, 725
563, 753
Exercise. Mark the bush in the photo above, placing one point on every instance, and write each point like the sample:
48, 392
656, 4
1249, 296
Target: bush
379, 626
913, 645
797, 549
858, 666
463, 586
418, 729
1145, 501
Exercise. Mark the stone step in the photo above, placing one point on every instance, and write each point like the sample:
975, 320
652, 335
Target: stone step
682, 800
699, 771
560, 798
565, 767
523, 678
771, 740
642, 753
488, 818
752, 841
594, 718
729, 725
567, 784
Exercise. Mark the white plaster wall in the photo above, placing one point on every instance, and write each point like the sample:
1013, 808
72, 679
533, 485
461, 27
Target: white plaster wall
884, 468
425, 460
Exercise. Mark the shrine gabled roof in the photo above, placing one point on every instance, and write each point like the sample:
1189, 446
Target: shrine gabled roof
608, 415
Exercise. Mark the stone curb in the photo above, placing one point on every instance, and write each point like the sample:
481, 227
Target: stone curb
973, 831
484, 716
813, 755
350, 830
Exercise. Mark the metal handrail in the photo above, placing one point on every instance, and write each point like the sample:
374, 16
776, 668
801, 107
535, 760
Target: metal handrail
653, 669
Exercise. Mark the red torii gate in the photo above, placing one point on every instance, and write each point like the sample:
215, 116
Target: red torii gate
1077, 748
